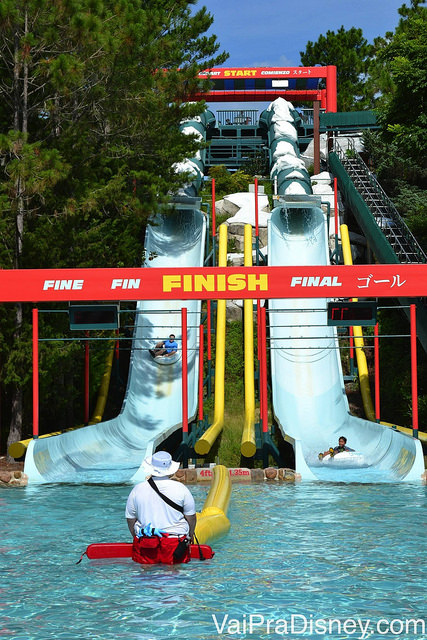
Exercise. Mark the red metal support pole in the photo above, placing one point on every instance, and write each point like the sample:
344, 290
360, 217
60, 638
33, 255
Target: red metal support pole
35, 373
414, 379
316, 136
213, 209
264, 367
256, 207
260, 364
323, 99
351, 351
256, 222
213, 224
209, 329
201, 354
184, 371
259, 338
336, 205
377, 373
87, 357
209, 349
331, 89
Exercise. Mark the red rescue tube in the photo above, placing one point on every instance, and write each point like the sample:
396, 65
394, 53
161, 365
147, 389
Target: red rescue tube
124, 550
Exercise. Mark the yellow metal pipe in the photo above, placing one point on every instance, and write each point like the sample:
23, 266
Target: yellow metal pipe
101, 401
248, 443
220, 490
19, 448
362, 365
212, 521
204, 444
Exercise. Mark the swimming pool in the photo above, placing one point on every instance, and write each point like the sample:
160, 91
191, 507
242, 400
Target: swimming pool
296, 555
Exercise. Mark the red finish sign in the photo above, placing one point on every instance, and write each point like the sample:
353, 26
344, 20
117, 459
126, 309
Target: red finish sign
56, 285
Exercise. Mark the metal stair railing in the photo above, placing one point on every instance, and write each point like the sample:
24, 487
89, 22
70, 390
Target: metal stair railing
387, 217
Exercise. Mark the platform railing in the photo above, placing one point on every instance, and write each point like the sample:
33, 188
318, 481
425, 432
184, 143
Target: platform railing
382, 208
237, 117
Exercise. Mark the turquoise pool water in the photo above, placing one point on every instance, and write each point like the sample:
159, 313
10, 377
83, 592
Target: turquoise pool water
350, 555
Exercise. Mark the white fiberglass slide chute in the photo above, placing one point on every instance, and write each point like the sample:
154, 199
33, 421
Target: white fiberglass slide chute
112, 451
309, 399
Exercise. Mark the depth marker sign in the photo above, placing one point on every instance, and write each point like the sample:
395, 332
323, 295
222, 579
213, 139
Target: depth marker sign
56, 285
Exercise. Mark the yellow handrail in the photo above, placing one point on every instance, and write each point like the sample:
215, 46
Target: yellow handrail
248, 443
362, 364
212, 521
205, 442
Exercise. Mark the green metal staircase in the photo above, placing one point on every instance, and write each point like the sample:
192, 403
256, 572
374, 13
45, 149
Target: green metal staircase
388, 219
385, 230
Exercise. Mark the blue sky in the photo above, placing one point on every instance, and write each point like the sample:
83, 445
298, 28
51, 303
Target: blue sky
272, 32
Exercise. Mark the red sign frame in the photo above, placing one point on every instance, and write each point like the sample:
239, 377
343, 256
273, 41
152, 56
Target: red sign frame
327, 97
56, 285
220, 73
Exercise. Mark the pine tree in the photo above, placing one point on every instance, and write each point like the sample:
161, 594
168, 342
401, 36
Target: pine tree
92, 93
402, 109
350, 52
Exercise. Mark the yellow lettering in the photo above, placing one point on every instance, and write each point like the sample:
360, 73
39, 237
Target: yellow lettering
171, 282
239, 72
204, 283
227, 73
187, 283
237, 282
257, 282
220, 282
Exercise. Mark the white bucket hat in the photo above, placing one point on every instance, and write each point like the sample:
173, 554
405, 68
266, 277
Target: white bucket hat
160, 464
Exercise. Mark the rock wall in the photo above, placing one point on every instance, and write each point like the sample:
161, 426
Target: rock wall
13, 479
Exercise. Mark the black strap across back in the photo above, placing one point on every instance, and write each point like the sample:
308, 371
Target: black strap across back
171, 503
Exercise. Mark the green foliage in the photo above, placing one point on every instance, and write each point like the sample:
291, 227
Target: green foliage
411, 201
92, 95
350, 52
401, 110
398, 152
227, 448
227, 182
234, 361
395, 368
258, 165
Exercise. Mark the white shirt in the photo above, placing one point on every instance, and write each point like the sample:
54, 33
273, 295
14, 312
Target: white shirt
147, 506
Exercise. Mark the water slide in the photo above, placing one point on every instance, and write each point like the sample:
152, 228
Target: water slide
309, 399
113, 450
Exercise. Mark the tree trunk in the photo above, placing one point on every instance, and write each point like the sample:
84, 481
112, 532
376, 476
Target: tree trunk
15, 431
16, 83
25, 79
20, 117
